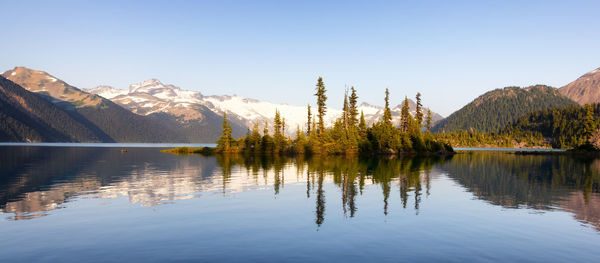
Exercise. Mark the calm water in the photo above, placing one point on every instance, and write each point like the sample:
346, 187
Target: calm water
74, 204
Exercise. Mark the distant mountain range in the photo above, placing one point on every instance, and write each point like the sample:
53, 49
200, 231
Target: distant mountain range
152, 96
149, 111
107, 121
36, 106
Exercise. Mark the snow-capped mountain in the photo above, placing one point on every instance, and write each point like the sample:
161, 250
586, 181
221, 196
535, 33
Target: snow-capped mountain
152, 96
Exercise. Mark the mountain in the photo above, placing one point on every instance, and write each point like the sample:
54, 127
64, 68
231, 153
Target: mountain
152, 97
493, 110
117, 123
169, 104
585, 89
28, 117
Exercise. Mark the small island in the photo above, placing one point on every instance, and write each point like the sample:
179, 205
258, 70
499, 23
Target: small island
349, 134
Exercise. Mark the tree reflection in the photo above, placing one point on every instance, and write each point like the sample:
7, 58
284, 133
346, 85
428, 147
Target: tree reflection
36, 180
349, 174
535, 181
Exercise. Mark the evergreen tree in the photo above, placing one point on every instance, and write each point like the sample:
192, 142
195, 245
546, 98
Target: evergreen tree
419, 111
277, 134
353, 100
428, 120
321, 107
256, 138
308, 122
267, 144
362, 126
248, 140
387, 112
224, 143
589, 124
345, 112
266, 129
405, 116
300, 141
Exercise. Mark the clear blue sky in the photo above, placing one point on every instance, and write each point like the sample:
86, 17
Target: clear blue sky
450, 51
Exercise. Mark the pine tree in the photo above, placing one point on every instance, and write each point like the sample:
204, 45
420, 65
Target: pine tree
300, 141
308, 122
321, 107
248, 140
428, 120
225, 141
278, 138
267, 144
362, 126
387, 113
256, 138
353, 100
589, 124
405, 116
266, 129
345, 112
419, 111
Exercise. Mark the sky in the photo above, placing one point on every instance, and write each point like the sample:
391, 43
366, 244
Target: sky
450, 51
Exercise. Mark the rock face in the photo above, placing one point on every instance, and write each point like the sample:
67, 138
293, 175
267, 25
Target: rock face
43, 83
585, 89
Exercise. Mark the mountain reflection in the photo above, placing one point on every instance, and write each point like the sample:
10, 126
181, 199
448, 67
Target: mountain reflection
36, 180
535, 181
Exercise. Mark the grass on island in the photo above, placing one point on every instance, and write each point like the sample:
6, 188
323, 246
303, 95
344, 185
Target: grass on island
191, 150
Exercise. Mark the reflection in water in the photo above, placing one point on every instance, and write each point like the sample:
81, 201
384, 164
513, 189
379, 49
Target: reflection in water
37, 180
349, 174
535, 181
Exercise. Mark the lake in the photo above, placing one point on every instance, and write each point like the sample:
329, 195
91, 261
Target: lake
97, 204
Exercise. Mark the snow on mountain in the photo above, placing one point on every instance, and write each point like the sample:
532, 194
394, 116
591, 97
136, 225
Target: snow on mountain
152, 96
107, 92
255, 111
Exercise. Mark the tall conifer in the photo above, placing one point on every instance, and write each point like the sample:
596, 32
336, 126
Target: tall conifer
419, 111
428, 120
387, 113
353, 100
308, 122
321, 106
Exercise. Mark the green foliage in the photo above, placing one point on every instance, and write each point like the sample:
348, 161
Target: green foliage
428, 120
494, 110
348, 136
419, 111
569, 127
561, 127
191, 150
226, 142
321, 106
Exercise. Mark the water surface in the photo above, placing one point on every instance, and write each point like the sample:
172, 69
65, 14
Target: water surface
73, 204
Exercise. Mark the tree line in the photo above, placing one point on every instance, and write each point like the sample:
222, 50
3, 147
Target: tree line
567, 127
349, 134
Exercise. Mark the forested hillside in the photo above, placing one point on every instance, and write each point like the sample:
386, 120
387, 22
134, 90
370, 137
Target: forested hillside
494, 110
562, 127
110, 122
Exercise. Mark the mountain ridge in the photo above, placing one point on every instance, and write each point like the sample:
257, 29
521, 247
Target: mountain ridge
247, 111
585, 89
118, 123
495, 109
